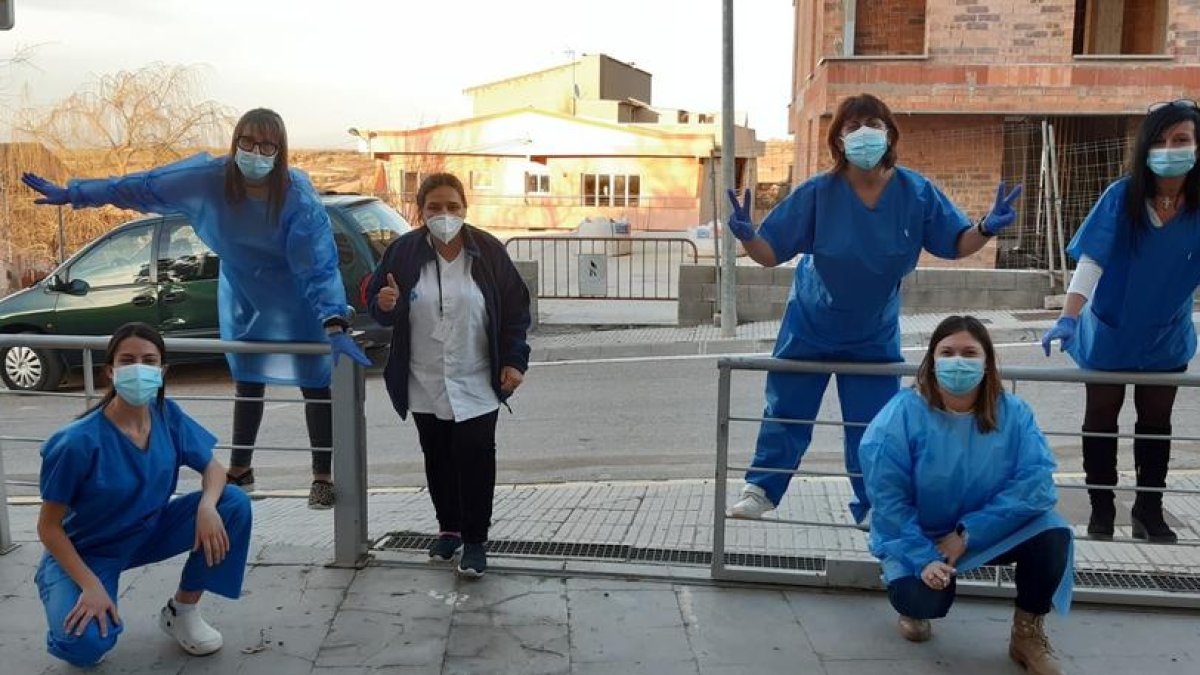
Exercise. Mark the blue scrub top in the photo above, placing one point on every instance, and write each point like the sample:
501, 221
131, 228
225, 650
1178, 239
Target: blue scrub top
845, 297
115, 491
927, 470
279, 281
1140, 315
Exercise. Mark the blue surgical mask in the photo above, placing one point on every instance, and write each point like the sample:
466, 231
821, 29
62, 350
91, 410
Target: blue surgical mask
1172, 162
865, 146
137, 384
253, 165
958, 374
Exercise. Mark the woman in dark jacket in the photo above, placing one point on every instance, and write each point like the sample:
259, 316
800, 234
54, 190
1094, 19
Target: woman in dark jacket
459, 312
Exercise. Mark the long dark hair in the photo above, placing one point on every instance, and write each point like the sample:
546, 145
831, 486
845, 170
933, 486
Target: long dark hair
270, 123
135, 329
863, 106
990, 389
1142, 179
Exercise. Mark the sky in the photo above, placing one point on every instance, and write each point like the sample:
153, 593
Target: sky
394, 64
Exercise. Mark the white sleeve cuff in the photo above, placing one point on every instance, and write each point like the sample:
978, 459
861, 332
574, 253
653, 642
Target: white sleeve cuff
1086, 276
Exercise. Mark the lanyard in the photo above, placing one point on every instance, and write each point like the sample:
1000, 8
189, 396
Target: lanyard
437, 265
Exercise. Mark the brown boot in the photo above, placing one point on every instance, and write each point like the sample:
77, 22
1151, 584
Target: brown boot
914, 630
1030, 647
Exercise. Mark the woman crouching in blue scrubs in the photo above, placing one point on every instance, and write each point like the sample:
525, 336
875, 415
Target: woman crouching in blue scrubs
863, 226
960, 476
107, 481
1129, 308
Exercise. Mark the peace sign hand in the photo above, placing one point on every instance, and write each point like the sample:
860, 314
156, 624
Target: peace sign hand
739, 218
1002, 214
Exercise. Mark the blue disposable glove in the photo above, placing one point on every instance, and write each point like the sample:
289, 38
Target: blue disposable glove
1002, 214
54, 194
739, 218
342, 343
1063, 330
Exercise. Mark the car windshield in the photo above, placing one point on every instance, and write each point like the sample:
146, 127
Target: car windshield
379, 224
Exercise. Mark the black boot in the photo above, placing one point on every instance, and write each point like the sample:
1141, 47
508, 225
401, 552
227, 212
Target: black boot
1150, 458
1100, 467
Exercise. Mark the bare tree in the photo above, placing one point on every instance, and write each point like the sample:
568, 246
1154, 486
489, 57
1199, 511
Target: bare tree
138, 118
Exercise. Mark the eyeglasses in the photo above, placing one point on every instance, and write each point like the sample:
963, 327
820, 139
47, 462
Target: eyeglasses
264, 148
1182, 103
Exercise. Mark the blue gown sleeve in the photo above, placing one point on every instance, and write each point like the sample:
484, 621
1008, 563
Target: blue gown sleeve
193, 442
182, 187
67, 459
311, 253
1028, 493
378, 281
887, 465
944, 223
1098, 234
789, 228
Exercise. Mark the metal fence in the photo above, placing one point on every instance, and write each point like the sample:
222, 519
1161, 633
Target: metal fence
349, 426
606, 268
1095, 583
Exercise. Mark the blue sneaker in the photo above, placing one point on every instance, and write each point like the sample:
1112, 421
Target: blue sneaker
445, 547
474, 561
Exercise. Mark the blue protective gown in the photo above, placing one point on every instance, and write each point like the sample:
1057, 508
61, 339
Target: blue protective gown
1140, 315
928, 470
844, 305
120, 515
279, 281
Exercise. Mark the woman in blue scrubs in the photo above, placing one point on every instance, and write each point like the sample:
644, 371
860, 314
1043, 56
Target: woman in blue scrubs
959, 476
279, 279
107, 481
862, 227
1129, 308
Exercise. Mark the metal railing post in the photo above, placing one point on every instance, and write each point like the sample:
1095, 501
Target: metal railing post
6, 541
722, 473
349, 465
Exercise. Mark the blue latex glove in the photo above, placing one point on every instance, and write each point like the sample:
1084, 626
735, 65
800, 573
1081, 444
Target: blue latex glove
1002, 214
739, 219
54, 194
1063, 330
342, 343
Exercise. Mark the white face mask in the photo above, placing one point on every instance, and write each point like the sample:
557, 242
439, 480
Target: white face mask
444, 226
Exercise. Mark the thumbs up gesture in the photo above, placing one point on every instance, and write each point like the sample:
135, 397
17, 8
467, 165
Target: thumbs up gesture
388, 294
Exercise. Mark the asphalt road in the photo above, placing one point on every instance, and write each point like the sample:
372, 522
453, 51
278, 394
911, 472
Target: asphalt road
605, 420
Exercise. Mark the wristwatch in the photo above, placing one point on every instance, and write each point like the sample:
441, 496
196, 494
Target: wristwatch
982, 230
961, 531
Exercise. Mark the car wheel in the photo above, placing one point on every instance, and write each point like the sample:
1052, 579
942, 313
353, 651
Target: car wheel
28, 369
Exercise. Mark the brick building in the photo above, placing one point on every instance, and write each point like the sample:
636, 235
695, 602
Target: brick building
972, 80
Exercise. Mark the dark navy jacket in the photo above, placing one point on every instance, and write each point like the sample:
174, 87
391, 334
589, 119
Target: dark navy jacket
504, 294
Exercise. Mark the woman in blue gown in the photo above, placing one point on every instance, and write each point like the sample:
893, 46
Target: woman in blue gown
107, 484
959, 476
862, 227
279, 276
1129, 308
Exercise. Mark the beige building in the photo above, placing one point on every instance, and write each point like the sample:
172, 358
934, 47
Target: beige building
548, 149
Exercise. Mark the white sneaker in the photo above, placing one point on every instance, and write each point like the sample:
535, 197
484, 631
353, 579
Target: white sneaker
752, 505
190, 630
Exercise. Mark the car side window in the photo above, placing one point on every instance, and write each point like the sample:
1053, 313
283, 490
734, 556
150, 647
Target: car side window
121, 259
183, 257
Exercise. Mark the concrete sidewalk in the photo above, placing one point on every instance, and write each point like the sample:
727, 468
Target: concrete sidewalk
542, 614
586, 342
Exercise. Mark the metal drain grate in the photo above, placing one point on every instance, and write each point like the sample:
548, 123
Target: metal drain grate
1102, 580
415, 541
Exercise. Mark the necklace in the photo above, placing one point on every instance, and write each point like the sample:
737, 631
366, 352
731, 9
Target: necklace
1167, 203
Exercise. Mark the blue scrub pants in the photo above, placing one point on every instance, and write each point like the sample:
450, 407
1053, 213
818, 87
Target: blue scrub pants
798, 396
173, 534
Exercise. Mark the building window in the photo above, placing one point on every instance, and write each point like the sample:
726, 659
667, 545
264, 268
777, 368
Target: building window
410, 182
1120, 26
481, 180
604, 189
537, 183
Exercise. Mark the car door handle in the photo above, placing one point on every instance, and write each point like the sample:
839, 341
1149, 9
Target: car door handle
143, 301
174, 296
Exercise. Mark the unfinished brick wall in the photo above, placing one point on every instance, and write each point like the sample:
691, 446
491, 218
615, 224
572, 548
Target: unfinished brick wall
990, 31
1183, 34
889, 27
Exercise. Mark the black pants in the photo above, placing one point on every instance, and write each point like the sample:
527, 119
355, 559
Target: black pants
1041, 562
1154, 404
247, 417
460, 466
